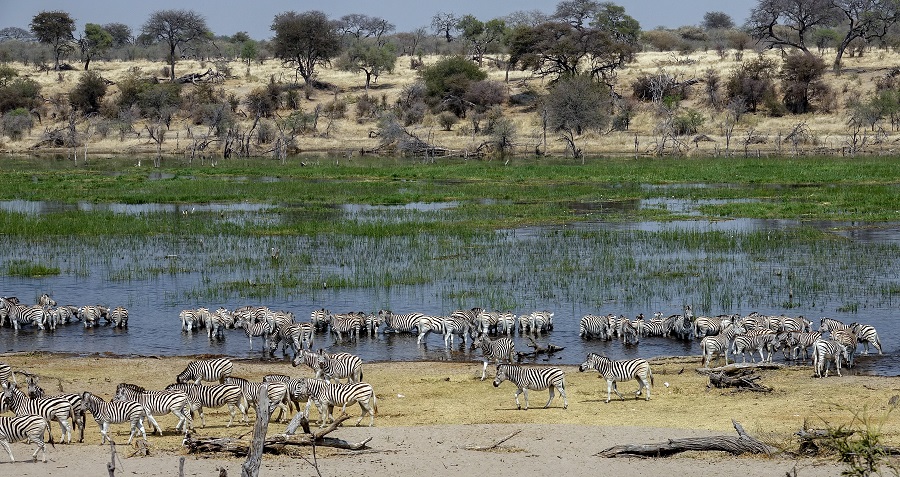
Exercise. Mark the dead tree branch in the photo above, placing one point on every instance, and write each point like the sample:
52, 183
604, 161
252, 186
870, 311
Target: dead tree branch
741, 444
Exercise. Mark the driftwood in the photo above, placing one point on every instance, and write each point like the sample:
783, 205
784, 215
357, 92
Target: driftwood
494, 445
250, 467
813, 441
735, 368
276, 443
538, 350
741, 444
745, 380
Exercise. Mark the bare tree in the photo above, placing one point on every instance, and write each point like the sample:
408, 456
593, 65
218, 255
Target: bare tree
445, 24
865, 19
789, 23
175, 28
575, 104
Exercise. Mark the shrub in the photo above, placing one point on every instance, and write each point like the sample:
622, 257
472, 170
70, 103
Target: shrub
447, 120
260, 103
265, 132
336, 109
16, 123
19, 93
688, 122
484, 94
367, 107
87, 95
661, 40
801, 82
655, 87
448, 80
752, 82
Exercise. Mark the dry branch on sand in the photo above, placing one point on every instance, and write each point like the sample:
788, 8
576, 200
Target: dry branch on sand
538, 350
742, 444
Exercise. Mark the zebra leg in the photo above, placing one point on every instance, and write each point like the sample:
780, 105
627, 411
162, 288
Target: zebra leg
484, 370
640, 381
39, 442
552, 394
65, 431
616, 390
156, 426
562, 392
104, 432
519, 406
5, 445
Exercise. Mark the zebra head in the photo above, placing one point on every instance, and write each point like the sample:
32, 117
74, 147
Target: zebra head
501, 374
589, 363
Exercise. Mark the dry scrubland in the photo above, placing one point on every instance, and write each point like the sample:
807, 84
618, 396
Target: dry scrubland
442, 393
347, 136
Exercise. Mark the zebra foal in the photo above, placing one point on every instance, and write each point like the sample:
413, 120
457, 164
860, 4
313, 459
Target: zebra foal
115, 412
19, 428
536, 379
622, 370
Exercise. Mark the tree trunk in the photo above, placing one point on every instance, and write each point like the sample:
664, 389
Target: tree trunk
741, 444
250, 467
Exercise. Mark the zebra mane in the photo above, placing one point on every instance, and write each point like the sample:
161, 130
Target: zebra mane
131, 387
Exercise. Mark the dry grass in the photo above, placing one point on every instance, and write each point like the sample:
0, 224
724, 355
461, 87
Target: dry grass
348, 135
423, 393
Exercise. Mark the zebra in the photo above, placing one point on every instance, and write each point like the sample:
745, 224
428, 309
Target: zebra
830, 324
456, 324
298, 335
371, 323
847, 337
507, 323
19, 314
260, 328
799, 323
65, 314
759, 342
718, 344
6, 374
294, 389
797, 341
680, 325
628, 332
350, 323
91, 314
327, 395
595, 326
494, 350
866, 334
825, 350
711, 325
319, 319
214, 396
30, 427
408, 323
115, 412
206, 370
537, 379
339, 365
621, 370
217, 322
159, 403
429, 324
277, 392
78, 416
118, 316
45, 300
487, 322
193, 319
50, 408
536, 322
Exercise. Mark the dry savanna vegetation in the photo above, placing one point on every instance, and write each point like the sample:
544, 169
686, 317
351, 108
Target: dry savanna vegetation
426, 393
341, 126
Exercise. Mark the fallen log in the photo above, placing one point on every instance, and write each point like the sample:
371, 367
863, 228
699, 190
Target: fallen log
735, 368
744, 379
274, 444
742, 444
538, 350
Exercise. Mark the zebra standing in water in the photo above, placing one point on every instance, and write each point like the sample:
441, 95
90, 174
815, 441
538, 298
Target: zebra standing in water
622, 370
118, 316
31, 427
408, 323
459, 324
115, 412
826, 350
261, 328
327, 395
796, 342
19, 314
78, 416
50, 408
350, 323
206, 370
91, 314
338, 366
595, 326
719, 344
494, 350
429, 324
866, 334
320, 319
536, 379
159, 403
214, 396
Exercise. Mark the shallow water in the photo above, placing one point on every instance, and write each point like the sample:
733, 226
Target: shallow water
572, 270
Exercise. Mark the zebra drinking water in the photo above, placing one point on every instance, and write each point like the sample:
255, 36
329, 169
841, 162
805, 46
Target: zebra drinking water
115, 412
407, 323
621, 370
536, 379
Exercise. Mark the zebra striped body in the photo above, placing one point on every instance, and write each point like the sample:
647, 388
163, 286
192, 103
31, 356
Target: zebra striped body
327, 395
825, 351
159, 403
536, 322
622, 370
350, 323
294, 389
372, 322
65, 314
429, 324
798, 341
790, 323
45, 300
214, 396
78, 415
758, 342
261, 328
338, 366
408, 323
711, 325
19, 314
217, 322
718, 344
494, 350
679, 325
530, 378
506, 323
6, 374
866, 334
487, 322
193, 319
91, 314
319, 319
457, 324
848, 339
118, 316
298, 335
115, 412
276, 391
30, 427
50, 408
628, 332
206, 370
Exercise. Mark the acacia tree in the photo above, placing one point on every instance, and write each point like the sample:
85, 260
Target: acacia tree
717, 21
120, 32
175, 28
781, 23
866, 19
55, 29
305, 40
445, 24
94, 42
369, 57
576, 103
480, 36
358, 27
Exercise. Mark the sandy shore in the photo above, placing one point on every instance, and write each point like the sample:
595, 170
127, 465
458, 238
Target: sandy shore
539, 449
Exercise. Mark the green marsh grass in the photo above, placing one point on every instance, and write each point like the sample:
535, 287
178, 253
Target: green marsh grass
25, 268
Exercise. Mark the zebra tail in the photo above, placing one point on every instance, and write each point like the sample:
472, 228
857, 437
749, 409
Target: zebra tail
50, 432
374, 404
650, 373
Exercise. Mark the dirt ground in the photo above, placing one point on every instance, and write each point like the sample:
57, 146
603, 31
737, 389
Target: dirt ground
430, 412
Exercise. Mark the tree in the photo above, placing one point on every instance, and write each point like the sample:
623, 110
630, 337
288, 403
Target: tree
574, 104
445, 24
781, 23
801, 76
15, 33
751, 83
359, 26
480, 36
249, 51
88, 93
370, 58
175, 28
121, 34
448, 80
305, 41
94, 42
865, 19
55, 29
717, 21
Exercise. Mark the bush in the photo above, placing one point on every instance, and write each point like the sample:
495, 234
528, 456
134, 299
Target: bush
447, 120
20, 93
801, 82
367, 107
448, 80
265, 132
88, 94
688, 122
752, 83
484, 94
661, 40
16, 123
657, 86
260, 103
152, 98
336, 109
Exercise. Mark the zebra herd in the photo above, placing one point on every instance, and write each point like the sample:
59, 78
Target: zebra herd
46, 315
203, 384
